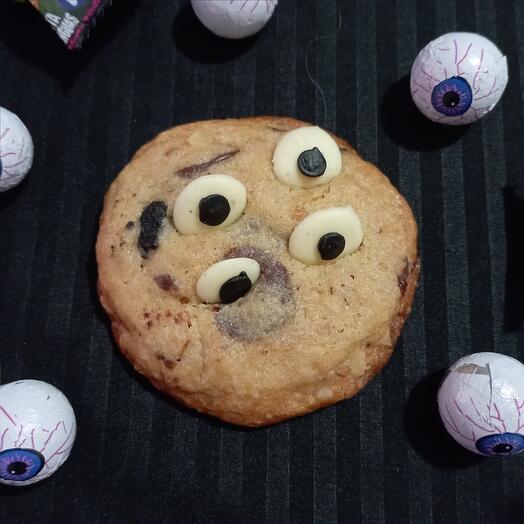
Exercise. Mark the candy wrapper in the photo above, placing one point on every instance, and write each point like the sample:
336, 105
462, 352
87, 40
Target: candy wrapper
481, 402
71, 19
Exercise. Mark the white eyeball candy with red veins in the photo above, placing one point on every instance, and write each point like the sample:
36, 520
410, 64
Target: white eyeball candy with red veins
16, 150
37, 431
458, 78
234, 18
481, 402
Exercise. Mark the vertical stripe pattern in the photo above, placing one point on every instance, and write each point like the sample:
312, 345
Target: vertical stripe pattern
382, 457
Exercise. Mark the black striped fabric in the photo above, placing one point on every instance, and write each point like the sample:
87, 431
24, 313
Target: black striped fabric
382, 456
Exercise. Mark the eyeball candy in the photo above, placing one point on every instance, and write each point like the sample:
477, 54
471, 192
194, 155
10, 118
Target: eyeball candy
16, 150
234, 18
481, 402
458, 78
37, 431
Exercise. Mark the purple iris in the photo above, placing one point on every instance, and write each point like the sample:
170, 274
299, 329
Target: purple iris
452, 97
20, 464
501, 444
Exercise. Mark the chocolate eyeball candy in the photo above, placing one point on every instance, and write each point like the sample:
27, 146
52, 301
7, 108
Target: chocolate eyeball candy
458, 78
37, 431
16, 150
234, 18
481, 402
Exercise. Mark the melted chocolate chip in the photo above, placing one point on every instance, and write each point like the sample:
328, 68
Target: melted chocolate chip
331, 245
150, 224
130, 225
234, 288
213, 209
311, 162
272, 271
404, 277
273, 295
195, 169
165, 282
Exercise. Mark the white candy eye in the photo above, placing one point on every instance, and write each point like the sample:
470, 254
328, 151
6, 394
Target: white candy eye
227, 280
209, 202
326, 235
307, 157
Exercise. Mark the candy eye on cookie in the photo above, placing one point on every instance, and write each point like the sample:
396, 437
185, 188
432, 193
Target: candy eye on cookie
209, 202
227, 280
307, 157
326, 235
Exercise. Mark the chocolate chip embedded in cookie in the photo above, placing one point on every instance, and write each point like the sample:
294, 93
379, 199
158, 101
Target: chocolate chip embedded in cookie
255, 269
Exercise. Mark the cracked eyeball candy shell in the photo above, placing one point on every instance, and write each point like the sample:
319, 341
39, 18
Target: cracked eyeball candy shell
37, 431
256, 269
458, 78
234, 18
481, 402
16, 150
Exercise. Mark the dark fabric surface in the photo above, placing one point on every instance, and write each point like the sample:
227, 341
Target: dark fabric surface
380, 457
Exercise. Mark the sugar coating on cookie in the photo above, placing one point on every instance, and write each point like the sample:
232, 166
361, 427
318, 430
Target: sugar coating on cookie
256, 348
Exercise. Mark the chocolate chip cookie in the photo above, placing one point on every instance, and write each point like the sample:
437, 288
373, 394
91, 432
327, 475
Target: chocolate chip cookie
255, 269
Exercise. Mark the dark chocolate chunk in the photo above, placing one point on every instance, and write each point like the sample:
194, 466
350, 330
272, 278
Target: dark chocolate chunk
273, 272
165, 282
234, 288
311, 162
130, 225
213, 209
151, 222
404, 277
274, 292
192, 171
331, 245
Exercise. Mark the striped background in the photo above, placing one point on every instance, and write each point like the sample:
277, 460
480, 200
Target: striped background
381, 457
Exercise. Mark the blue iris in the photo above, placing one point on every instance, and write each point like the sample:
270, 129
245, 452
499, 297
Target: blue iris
501, 444
20, 464
452, 97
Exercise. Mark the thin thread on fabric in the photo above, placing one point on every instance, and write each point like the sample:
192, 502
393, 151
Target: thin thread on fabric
318, 87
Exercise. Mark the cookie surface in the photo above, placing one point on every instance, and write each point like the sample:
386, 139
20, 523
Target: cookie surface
304, 336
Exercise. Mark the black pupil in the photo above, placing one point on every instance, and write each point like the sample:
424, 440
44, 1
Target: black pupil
213, 210
451, 99
311, 162
17, 468
234, 288
331, 245
503, 448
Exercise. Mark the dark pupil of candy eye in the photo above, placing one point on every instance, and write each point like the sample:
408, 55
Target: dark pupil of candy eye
234, 288
331, 245
213, 210
503, 448
451, 99
311, 162
452, 96
17, 468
